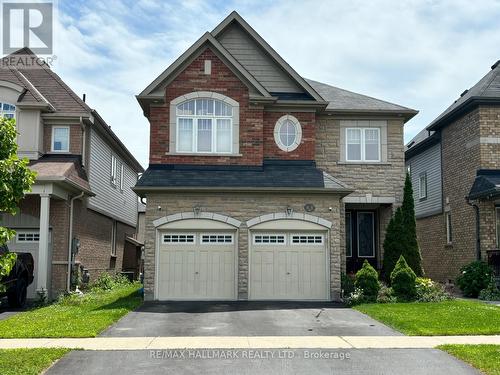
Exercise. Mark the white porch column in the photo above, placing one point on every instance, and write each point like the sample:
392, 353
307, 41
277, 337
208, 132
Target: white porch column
43, 245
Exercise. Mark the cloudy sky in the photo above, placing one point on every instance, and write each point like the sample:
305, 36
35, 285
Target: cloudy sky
420, 54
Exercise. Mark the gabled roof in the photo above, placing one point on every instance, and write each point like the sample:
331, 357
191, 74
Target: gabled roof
153, 89
487, 90
234, 17
276, 175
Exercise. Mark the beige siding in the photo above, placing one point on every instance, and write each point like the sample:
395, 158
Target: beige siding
109, 200
256, 61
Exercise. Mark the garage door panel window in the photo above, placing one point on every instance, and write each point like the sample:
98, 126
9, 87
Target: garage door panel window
178, 238
28, 237
214, 238
265, 239
366, 234
307, 239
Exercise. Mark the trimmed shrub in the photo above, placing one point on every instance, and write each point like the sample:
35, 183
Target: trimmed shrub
367, 280
491, 292
473, 278
403, 281
347, 284
430, 291
386, 295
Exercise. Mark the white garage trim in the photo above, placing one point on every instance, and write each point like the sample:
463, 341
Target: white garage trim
202, 215
294, 216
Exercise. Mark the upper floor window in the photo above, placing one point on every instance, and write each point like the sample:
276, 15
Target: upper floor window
7, 110
204, 126
60, 139
422, 186
363, 144
113, 170
287, 133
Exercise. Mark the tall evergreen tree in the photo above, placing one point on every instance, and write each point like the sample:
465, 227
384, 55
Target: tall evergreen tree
411, 250
401, 236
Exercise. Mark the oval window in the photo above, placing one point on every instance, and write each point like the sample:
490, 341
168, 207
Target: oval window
287, 133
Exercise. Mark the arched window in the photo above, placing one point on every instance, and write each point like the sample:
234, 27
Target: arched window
7, 110
204, 125
204, 122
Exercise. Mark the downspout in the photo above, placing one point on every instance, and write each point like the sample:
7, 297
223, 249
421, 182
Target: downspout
70, 246
478, 228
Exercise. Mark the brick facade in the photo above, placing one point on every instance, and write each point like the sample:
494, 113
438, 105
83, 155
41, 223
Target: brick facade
468, 144
75, 139
242, 207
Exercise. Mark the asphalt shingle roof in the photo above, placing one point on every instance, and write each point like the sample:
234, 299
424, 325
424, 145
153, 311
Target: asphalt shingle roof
272, 174
344, 100
487, 87
486, 184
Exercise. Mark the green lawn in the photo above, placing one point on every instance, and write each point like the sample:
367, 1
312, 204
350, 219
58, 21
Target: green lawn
28, 361
81, 317
485, 358
456, 317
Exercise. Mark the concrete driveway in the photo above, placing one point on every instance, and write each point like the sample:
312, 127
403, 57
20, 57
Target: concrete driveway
246, 319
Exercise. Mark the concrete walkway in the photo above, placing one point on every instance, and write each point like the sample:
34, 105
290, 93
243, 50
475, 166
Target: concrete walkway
249, 342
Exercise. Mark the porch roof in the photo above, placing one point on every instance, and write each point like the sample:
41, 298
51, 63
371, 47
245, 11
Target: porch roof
486, 184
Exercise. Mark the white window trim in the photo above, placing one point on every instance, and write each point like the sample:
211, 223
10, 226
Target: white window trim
24, 232
114, 164
298, 128
363, 145
216, 243
308, 235
284, 243
178, 234
52, 138
357, 234
213, 117
422, 188
449, 228
122, 178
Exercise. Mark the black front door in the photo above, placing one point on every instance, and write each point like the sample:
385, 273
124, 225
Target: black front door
361, 242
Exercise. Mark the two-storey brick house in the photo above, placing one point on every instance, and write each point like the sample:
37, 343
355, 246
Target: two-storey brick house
259, 178
455, 169
81, 209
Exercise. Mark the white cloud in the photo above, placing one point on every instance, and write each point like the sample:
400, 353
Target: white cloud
421, 54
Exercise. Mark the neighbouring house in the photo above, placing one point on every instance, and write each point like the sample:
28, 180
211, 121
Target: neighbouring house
81, 209
262, 184
455, 169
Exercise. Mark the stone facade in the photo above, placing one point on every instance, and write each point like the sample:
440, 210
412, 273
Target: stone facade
243, 207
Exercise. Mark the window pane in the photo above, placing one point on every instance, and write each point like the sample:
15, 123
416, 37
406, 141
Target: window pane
288, 133
223, 109
204, 106
366, 235
348, 244
185, 141
353, 144
204, 135
186, 108
224, 135
371, 144
61, 139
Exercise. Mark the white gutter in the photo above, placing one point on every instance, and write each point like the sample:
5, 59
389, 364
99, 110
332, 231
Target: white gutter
68, 281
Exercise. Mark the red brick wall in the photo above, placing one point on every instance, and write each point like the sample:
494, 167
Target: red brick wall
221, 80
75, 138
306, 149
